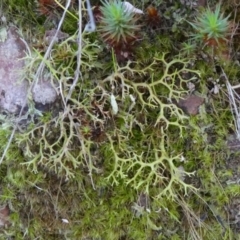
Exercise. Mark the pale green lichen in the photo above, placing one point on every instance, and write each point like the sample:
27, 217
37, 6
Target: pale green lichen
143, 160
60, 144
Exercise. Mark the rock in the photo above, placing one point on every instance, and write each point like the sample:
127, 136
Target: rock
4, 216
13, 87
13, 90
190, 104
44, 92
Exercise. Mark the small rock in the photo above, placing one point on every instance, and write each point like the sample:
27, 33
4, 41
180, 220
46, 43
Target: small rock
13, 86
190, 104
13, 90
44, 92
4, 216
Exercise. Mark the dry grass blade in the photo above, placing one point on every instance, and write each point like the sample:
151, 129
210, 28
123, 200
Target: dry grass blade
79, 53
234, 100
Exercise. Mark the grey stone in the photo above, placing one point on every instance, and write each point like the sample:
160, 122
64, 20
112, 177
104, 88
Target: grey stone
43, 92
13, 90
13, 86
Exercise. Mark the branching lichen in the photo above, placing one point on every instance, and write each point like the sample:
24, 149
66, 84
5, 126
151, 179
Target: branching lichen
140, 157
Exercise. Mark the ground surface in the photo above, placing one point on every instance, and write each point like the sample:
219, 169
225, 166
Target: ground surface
138, 142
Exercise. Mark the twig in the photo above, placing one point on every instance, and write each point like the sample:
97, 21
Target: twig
79, 53
233, 99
